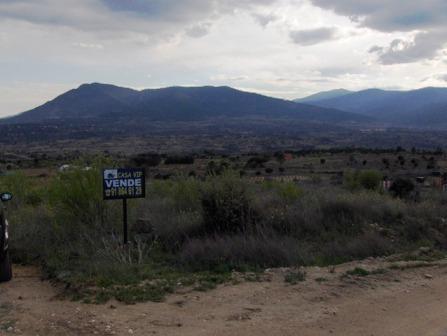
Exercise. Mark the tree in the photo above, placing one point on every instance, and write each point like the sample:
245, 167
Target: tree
402, 188
367, 179
370, 179
147, 159
280, 157
256, 162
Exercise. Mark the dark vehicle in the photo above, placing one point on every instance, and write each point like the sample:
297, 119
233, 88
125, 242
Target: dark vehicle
5, 262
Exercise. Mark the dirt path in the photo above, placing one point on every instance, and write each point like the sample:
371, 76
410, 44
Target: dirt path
406, 302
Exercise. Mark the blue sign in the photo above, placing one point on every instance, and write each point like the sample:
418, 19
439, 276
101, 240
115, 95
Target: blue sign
123, 183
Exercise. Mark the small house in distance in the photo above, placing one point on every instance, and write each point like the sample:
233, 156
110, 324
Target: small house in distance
387, 183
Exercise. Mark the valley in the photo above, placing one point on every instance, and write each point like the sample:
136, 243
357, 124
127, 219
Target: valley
224, 167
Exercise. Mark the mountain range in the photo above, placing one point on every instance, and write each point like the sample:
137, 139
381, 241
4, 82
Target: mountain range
425, 107
323, 96
111, 104
107, 111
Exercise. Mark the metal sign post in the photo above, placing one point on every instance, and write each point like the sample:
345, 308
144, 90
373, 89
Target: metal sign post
124, 183
125, 228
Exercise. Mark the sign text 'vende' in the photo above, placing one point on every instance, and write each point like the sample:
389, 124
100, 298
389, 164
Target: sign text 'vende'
123, 183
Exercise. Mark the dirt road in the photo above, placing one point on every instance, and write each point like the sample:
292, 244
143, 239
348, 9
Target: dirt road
410, 301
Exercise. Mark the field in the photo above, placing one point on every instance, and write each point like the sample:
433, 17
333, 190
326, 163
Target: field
215, 221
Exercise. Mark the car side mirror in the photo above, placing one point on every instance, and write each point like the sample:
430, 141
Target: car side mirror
5, 197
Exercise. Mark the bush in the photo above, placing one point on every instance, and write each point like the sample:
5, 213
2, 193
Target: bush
147, 159
288, 191
402, 188
173, 230
226, 205
369, 244
294, 278
214, 169
187, 160
358, 271
184, 192
323, 215
33, 233
24, 190
367, 179
256, 162
340, 216
240, 251
76, 197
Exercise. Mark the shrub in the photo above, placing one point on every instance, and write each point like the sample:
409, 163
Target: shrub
33, 234
294, 278
147, 159
256, 162
342, 217
240, 251
367, 179
24, 190
76, 196
184, 192
288, 191
325, 214
402, 188
226, 205
341, 250
358, 271
173, 230
186, 159
214, 169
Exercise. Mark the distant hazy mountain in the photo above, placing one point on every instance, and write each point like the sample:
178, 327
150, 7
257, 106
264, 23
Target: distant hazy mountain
323, 95
112, 104
423, 107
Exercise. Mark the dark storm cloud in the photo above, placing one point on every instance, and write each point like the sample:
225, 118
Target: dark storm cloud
424, 46
127, 15
386, 15
312, 36
427, 18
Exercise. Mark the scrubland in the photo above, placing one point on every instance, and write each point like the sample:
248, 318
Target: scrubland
197, 232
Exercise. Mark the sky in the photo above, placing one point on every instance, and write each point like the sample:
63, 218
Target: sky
280, 48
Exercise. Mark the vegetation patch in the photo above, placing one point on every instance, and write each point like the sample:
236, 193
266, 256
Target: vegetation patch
407, 266
295, 277
194, 233
358, 271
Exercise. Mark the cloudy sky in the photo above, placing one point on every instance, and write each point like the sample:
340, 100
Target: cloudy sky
282, 48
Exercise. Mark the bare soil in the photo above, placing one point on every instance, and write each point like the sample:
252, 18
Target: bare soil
407, 301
